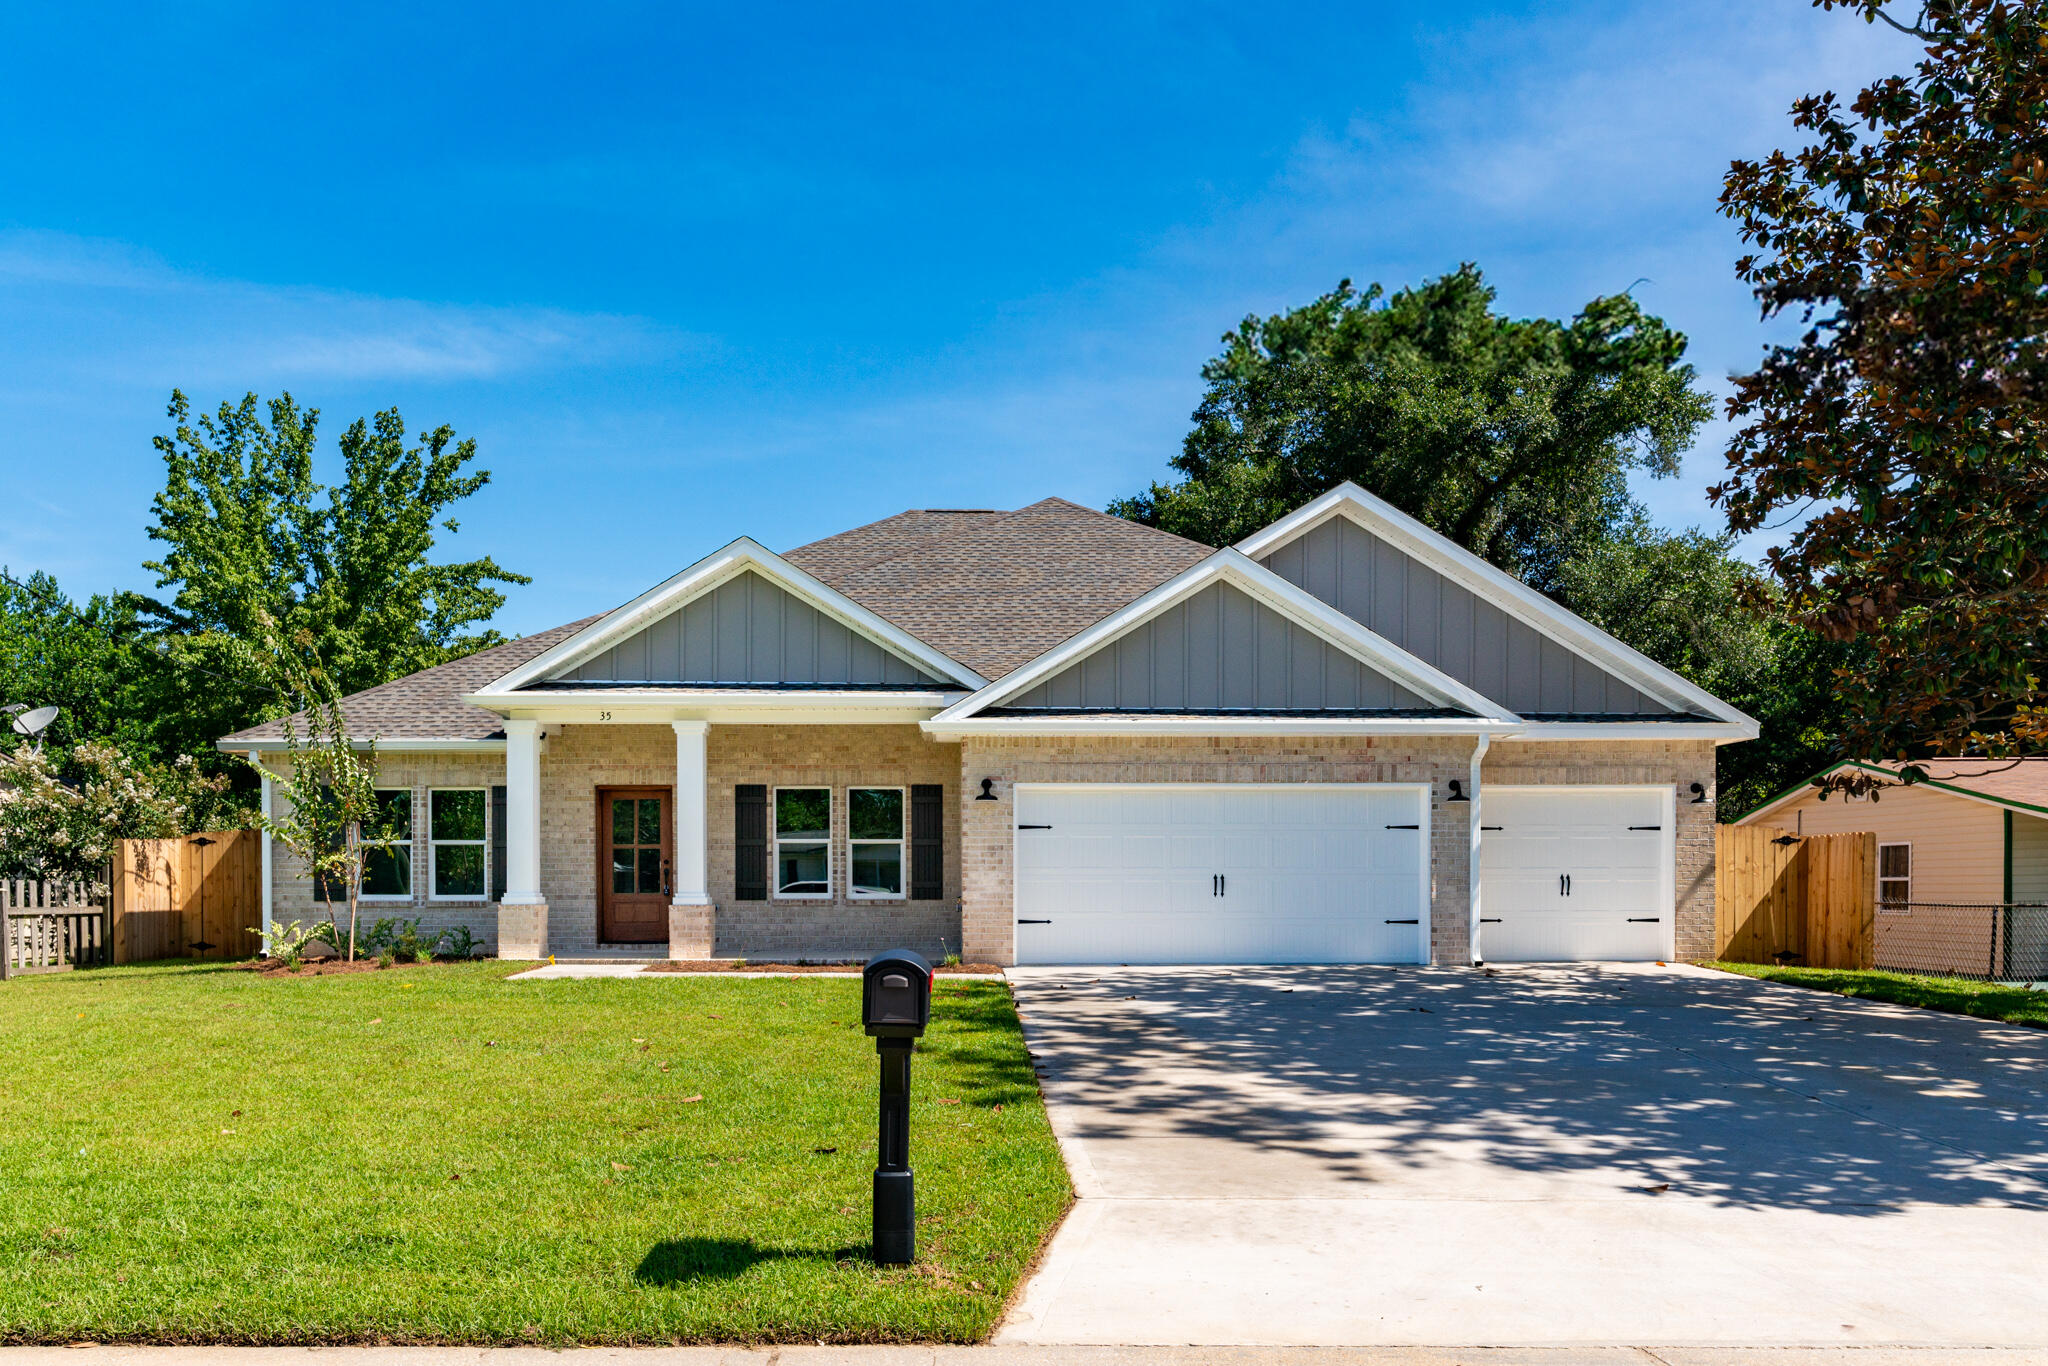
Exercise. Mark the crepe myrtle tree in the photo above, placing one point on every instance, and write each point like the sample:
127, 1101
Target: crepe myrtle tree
331, 817
1905, 432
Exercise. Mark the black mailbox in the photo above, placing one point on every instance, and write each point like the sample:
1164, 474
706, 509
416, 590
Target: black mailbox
896, 995
895, 1005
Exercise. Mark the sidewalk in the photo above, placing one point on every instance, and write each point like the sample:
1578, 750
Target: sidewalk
1022, 1356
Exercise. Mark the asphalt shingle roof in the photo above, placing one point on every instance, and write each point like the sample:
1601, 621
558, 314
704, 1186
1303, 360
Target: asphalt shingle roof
992, 589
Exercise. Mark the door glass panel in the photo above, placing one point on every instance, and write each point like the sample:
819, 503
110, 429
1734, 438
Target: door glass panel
650, 820
622, 820
650, 870
622, 870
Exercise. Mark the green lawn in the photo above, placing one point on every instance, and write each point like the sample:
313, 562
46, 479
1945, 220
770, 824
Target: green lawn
195, 1154
1959, 996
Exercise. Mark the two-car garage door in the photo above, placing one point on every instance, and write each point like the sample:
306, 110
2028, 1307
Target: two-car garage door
1337, 873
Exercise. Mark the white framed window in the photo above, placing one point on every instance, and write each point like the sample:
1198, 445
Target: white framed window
387, 863
875, 842
803, 843
1894, 875
458, 847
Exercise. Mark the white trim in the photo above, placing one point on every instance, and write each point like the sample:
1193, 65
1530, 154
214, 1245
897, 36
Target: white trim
700, 578
1262, 584
1222, 724
482, 845
1667, 869
902, 843
1720, 732
1895, 907
1475, 920
775, 892
1502, 589
1426, 873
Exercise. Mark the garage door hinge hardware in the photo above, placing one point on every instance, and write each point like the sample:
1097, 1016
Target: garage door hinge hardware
1036, 922
1489, 920
1645, 919
1034, 827
1489, 827
1403, 922
1646, 827
1404, 827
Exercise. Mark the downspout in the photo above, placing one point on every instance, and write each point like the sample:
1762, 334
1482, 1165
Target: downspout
1472, 871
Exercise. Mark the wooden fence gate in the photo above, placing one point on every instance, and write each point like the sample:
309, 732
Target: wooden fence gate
193, 897
1806, 900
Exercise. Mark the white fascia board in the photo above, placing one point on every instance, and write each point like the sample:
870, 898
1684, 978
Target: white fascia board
1720, 732
1263, 584
1222, 725
389, 744
1495, 585
700, 578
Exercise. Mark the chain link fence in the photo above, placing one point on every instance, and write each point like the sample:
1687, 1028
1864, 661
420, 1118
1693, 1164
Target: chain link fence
1988, 941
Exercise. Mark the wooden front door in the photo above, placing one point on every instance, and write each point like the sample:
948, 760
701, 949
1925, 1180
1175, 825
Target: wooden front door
633, 849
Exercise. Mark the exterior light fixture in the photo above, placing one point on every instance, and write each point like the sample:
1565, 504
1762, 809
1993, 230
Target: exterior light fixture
1699, 793
988, 790
1458, 791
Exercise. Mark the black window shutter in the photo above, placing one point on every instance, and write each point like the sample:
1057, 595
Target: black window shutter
750, 842
326, 888
927, 842
497, 844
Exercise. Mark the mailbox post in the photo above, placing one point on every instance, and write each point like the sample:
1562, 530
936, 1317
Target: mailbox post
896, 1005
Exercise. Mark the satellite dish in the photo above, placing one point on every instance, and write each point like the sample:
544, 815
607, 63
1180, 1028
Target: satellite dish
34, 723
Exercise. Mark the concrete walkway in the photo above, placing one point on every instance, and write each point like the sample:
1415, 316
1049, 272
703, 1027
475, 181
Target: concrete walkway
1586, 1155
998, 1355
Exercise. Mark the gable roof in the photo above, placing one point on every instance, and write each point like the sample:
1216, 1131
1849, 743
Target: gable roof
428, 705
2018, 784
997, 590
1490, 585
1413, 679
742, 556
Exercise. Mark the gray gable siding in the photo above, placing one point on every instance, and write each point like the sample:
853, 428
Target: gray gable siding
1220, 650
748, 630
1444, 624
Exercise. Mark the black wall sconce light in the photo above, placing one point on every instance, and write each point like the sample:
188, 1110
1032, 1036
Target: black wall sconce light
1699, 793
1458, 791
988, 790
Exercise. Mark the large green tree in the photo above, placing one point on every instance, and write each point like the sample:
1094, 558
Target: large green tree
258, 549
1906, 429
1515, 437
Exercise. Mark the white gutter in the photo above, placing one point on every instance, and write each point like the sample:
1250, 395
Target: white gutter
1472, 875
400, 745
1222, 725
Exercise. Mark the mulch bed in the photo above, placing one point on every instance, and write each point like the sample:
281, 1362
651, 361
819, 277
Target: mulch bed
326, 967
743, 965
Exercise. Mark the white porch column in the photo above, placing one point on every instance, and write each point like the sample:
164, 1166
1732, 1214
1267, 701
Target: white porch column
690, 913
269, 883
523, 913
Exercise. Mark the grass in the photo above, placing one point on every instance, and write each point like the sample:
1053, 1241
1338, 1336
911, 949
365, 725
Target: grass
1958, 996
190, 1153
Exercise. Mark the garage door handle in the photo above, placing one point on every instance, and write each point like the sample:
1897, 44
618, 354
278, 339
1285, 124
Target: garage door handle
1489, 920
1646, 827
1404, 922
1034, 827
1404, 827
1034, 922
1646, 920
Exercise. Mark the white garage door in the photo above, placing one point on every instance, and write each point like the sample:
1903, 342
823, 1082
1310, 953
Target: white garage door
1213, 873
1575, 873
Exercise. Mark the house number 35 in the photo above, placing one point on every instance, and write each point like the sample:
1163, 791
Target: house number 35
604, 716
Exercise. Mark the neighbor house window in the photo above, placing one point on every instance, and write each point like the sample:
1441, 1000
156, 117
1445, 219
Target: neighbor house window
387, 862
874, 840
456, 832
803, 841
1894, 874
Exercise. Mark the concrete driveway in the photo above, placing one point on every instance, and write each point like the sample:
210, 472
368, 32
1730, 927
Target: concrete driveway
1542, 1155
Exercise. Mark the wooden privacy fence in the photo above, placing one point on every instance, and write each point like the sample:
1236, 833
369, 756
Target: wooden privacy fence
193, 897
1807, 900
50, 926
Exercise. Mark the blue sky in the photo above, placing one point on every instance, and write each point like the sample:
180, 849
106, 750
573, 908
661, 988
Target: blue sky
690, 272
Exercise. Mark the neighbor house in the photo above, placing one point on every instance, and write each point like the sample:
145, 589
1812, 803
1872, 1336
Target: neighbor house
1052, 735
1953, 853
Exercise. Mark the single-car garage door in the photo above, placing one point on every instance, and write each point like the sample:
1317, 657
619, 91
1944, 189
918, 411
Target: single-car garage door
1219, 873
1575, 873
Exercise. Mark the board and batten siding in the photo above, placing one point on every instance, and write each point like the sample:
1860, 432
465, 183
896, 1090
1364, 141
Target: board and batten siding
2029, 857
1958, 844
748, 630
1474, 641
1220, 650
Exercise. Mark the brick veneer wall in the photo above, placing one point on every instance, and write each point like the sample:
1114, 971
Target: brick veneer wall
1677, 763
292, 890
988, 828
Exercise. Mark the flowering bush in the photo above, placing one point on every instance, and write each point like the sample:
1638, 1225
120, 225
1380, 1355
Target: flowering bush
61, 817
